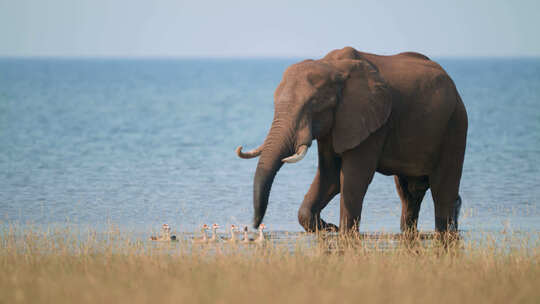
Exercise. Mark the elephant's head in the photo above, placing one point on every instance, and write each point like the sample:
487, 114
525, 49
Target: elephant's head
341, 95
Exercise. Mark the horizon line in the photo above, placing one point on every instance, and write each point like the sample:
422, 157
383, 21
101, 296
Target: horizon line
238, 57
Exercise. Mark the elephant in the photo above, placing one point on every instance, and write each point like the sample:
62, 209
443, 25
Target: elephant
398, 115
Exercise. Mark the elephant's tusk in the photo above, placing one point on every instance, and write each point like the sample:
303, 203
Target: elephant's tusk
249, 154
300, 153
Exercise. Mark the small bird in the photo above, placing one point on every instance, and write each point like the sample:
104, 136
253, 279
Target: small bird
165, 234
233, 238
260, 238
204, 238
246, 238
215, 237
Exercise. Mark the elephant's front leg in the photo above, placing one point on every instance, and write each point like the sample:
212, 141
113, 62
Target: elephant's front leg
320, 193
357, 169
324, 187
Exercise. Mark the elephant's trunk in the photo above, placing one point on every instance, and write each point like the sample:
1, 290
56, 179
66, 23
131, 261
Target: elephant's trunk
278, 145
250, 154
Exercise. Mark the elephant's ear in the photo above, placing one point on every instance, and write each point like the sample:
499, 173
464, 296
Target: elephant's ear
364, 107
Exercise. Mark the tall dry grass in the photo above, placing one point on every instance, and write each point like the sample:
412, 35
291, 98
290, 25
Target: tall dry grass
63, 267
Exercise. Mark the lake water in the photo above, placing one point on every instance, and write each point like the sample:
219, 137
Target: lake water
139, 143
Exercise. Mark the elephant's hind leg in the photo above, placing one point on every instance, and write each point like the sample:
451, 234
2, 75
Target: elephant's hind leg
411, 190
444, 180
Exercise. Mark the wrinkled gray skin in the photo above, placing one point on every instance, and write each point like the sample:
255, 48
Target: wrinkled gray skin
398, 115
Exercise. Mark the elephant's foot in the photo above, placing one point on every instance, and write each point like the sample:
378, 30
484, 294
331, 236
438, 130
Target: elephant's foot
449, 223
329, 227
314, 223
321, 226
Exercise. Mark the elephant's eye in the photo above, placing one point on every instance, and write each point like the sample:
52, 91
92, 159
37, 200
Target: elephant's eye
322, 103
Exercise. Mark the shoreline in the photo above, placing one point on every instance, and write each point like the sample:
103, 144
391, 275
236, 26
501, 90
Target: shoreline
56, 268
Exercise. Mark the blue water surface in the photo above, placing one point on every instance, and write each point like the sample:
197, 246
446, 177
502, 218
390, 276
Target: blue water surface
139, 143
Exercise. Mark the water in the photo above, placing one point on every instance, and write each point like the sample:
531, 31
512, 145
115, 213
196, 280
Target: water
139, 143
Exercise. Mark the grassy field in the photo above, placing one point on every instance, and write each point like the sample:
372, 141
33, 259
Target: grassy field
57, 267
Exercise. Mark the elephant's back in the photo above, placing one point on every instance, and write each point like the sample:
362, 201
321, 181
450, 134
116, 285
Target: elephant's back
406, 71
424, 99
414, 55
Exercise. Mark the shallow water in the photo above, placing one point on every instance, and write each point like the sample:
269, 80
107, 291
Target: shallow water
139, 143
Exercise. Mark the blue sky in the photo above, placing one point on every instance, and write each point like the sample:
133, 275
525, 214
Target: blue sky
274, 28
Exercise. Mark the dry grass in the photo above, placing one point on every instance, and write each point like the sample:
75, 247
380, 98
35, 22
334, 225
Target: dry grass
56, 267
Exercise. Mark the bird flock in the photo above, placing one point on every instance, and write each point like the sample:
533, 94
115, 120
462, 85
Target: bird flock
166, 236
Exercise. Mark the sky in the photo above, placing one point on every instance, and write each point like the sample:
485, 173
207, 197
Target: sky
272, 28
